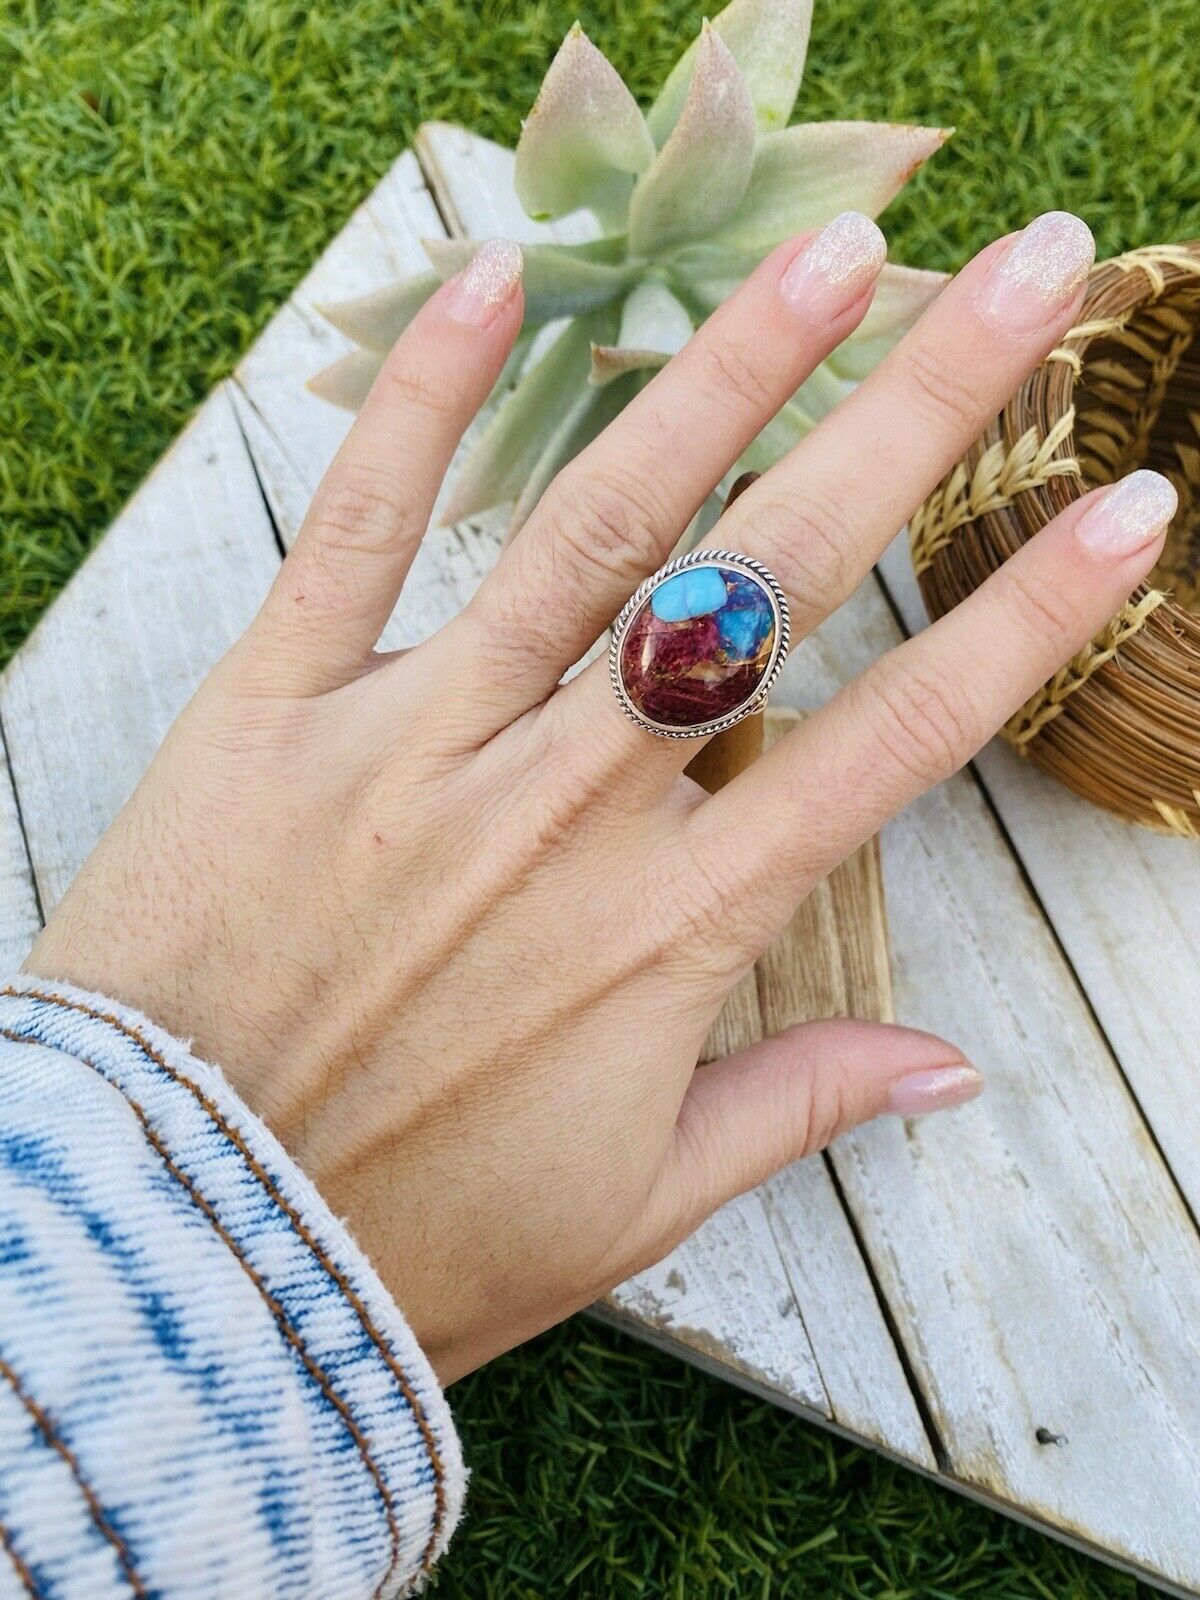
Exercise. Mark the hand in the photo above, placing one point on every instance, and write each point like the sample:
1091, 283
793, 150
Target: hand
458, 933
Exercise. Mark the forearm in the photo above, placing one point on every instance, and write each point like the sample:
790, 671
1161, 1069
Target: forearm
204, 1390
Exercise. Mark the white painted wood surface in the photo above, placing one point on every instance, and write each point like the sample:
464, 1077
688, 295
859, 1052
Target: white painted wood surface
19, 918
86, 702
1126, 905
1034, 1254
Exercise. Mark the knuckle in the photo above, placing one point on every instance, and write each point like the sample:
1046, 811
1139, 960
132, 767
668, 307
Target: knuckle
604, 526
362, 509
410, 389
1048, 616
924, 724
807, 541
732, 376
568, 791
941, 393
827, 1110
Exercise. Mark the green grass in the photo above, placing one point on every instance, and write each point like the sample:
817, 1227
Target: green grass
169, 169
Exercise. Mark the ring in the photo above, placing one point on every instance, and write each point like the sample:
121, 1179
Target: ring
698, 646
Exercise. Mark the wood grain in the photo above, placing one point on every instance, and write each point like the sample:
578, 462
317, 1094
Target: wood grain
1032, 1250
1125, 904
176, 579
19, 918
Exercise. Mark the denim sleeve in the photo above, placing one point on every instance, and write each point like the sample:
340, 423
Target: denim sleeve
205, 1391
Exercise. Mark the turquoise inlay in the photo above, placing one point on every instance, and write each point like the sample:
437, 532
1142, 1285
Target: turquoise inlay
693, 593
744, 629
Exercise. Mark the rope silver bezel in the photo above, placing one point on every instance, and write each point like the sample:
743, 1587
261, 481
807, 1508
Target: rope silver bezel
783, 628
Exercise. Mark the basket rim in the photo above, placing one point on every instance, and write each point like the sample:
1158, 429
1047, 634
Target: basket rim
1116, 724
1158, 268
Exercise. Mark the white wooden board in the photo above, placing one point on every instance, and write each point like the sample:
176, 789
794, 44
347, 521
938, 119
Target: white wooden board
19, 917
1125, 904
1035, 1256
176, 579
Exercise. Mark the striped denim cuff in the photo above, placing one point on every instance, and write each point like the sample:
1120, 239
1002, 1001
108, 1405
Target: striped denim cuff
270, 1417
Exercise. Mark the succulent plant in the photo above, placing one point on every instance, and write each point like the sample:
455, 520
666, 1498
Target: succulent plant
688, 198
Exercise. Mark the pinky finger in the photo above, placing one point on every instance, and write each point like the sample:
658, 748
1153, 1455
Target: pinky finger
923, 710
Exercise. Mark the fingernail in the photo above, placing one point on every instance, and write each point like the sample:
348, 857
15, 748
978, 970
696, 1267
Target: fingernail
1039, 273
1130, 516
835, 268
935, 1089
486, 283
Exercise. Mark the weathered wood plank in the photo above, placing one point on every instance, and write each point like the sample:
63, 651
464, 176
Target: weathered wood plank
1033, 1251
177, 578
1126, 906
19, 919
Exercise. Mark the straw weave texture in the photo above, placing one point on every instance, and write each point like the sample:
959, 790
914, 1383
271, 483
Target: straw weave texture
1120, 724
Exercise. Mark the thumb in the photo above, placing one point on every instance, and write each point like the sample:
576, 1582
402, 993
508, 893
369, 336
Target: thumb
747, 1116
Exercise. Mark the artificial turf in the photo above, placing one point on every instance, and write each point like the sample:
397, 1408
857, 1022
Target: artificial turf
168, 170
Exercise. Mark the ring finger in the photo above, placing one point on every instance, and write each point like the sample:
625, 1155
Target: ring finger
821, 517
616, 511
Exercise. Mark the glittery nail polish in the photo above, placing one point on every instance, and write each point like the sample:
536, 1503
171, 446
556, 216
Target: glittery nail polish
1126, 518
1039, 273
835, 268
935, 1089
485, 284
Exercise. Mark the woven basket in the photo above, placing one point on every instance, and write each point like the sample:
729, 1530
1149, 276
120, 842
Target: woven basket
1120, 724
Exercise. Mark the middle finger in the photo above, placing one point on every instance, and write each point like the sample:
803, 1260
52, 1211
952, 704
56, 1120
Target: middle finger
618, 509
821, 517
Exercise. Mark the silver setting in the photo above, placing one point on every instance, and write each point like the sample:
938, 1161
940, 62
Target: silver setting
766, 581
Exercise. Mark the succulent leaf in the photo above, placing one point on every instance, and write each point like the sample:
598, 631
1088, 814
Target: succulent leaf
525, 421
613, 361
654, 319
701, 173
785, 429
653, 327
588, 418
690, 199
585, 140
378, 319
558, 281
705, 275
901, 295
820, 392
769, 41
347, 382
805, 175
